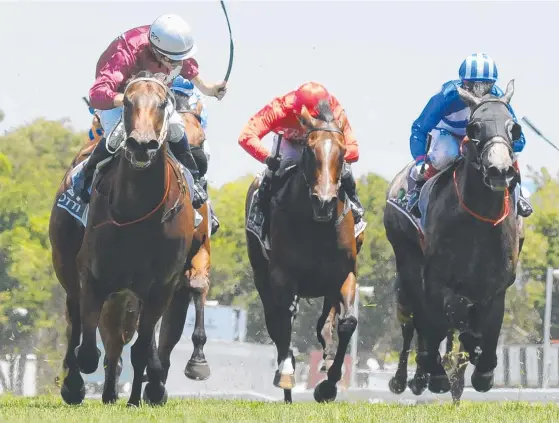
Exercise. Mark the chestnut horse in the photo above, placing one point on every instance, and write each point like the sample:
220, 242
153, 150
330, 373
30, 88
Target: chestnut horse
139, 232
196, 282
313, 249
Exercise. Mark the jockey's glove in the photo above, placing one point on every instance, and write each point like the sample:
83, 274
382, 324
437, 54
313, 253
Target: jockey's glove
273, 163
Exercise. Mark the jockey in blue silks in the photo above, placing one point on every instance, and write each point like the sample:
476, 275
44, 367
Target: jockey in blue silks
194, 95
445, 117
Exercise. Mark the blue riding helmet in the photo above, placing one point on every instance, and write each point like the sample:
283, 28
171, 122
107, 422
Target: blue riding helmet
186, 87
478, 74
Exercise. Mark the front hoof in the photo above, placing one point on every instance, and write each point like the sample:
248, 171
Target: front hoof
482, 382
197, 370
325, 391
155, 394
72, 396
284, 381
397, 386
109, 398
439, 384
88, 360
418, 384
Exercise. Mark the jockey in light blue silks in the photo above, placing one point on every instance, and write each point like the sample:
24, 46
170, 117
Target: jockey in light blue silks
186, 87
446, 116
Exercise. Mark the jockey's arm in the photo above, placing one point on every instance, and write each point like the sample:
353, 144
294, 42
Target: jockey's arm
431, 115
261, 124
352, 147
211, 90
103, 94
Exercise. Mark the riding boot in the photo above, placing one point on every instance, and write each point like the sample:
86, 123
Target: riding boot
349, 186
524, 207
85, 176
181, 151
213, 217
412, 197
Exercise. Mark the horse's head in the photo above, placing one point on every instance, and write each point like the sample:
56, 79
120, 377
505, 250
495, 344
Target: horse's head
322, 160
146, 118
492, 130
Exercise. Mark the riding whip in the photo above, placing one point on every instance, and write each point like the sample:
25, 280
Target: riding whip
280, 136
537, 131
231, 46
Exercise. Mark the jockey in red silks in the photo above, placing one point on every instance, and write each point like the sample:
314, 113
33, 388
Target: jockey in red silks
166, 46
281, 115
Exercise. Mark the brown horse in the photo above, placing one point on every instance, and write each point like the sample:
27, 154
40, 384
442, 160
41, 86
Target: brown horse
196, 282
139, 232
313, 248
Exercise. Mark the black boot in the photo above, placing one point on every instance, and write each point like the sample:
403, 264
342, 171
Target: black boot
348, 184
213, 216
182, 152
85, 177
524, 207
264, 197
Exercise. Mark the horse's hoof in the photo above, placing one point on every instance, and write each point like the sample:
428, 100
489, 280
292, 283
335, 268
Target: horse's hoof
197, 370
88, 360
396, 386
439, 384
155, 394
482, 382
325, 391
110, 398
418, 385
284, 381
132, 405
72, 397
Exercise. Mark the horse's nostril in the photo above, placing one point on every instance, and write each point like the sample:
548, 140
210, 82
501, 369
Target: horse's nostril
152, 145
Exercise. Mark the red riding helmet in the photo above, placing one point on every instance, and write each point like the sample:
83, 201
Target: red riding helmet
309, 95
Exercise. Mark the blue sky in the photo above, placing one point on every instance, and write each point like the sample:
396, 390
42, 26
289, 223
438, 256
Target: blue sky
383, 60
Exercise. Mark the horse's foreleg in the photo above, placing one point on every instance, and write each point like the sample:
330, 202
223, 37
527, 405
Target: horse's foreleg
397, 384
117, 326
172, 326
324, 332
144, 351
482, 377
73, 388
197, 367
87, 353
326, 390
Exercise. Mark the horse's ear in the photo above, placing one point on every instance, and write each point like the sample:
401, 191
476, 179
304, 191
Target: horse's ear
468, 98
509, 92
305, 117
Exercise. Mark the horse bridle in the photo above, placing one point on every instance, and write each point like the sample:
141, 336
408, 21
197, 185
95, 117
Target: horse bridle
494, 140
169, 108
332, 129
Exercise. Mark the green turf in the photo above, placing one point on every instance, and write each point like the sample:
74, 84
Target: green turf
51, 409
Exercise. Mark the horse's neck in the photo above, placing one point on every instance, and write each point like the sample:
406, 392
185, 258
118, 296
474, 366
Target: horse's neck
296, 197
475, 195
137, 192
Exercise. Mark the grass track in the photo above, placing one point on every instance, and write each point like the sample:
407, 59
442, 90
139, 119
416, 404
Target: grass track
52, 410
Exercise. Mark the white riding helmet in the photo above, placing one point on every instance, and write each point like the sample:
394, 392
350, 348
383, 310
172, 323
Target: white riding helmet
170, 35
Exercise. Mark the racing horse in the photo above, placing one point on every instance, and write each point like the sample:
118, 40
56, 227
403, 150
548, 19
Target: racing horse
139, 231
454, 274
196, 282
312, 252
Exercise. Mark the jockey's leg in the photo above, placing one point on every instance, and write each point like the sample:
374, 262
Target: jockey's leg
524, 207
348, 184
181, 150
213, 217
85, 176
444, 150
108, 120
